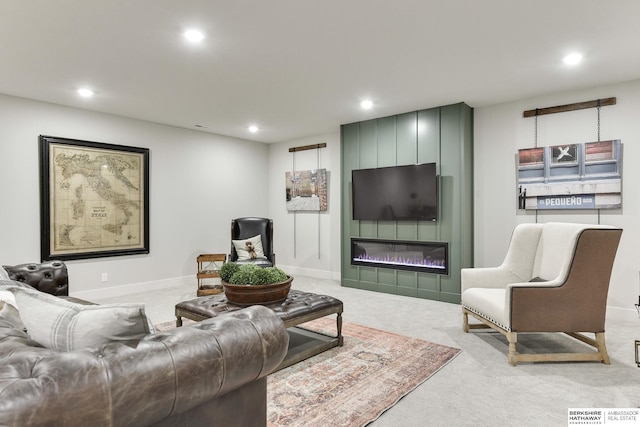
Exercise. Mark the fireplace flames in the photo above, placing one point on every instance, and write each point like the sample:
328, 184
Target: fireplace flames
399, 260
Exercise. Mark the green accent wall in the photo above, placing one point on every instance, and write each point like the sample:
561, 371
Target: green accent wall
443, 135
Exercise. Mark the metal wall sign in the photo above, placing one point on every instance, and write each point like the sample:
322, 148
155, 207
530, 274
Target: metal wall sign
571, 176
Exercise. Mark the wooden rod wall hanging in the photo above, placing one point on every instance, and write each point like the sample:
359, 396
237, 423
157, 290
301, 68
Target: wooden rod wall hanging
570, 107
307, 147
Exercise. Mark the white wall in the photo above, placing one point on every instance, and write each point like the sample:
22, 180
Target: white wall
199, 182
306, 243
500, 130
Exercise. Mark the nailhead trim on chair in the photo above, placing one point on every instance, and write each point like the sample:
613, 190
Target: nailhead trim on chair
484, 316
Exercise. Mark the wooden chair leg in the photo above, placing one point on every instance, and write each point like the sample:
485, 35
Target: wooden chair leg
465, 320
600, 355
602, 348
512, 337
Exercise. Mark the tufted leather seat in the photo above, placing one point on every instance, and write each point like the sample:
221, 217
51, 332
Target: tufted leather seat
297, 303
50, 276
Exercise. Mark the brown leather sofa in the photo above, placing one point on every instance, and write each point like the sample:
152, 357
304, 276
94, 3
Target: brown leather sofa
210, 374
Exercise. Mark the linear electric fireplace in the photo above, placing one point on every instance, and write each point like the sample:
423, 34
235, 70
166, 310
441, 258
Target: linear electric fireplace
427, 257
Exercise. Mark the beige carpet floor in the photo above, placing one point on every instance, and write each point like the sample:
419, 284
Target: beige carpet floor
472, 390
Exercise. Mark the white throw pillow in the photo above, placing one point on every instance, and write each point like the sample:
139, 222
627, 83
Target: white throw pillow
7, 296
10, 313
6, 293
249, 248
61, 325
3, 274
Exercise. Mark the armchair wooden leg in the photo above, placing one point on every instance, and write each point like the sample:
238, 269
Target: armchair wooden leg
512, 337
465, 320
602, 348
598, 343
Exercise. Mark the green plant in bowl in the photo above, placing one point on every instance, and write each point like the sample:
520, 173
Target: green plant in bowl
248, 284
249, 274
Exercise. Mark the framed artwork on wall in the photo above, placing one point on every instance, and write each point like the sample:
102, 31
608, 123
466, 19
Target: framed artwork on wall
306, 190
94, 199
571, 176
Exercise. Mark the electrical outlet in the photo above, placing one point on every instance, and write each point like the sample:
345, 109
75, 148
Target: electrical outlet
104, 277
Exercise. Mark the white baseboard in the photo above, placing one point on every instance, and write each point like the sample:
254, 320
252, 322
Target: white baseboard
134, 288
117, 291
310, 272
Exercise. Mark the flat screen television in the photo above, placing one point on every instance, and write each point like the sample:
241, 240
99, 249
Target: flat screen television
397, 193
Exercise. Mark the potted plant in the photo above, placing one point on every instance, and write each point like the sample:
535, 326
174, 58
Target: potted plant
248, 284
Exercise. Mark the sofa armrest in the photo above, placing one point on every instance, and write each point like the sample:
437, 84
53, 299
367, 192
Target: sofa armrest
546, 307
490, 277
49, 276
137, 382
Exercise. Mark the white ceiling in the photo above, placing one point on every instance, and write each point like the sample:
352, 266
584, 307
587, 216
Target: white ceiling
299, 68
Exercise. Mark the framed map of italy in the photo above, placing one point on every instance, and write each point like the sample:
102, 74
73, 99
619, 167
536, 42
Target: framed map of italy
94, 199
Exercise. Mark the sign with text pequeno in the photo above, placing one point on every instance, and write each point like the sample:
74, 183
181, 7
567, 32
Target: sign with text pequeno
576, 201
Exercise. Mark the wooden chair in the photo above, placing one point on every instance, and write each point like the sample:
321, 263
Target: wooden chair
555, 278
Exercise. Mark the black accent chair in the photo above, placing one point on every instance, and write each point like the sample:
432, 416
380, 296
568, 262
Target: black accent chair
245, 228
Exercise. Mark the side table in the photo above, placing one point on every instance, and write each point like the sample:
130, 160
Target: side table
209, 268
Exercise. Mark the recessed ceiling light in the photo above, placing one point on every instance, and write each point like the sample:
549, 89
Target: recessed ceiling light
572, 59
194, 36
366, 104
253, 128
85, 92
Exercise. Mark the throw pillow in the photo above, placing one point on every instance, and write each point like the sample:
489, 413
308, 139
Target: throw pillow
7, 297
249, 248
6, 290
10, 314
3, 274
62, 325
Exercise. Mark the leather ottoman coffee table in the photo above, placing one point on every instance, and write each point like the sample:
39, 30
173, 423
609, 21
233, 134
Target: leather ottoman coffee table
298, 308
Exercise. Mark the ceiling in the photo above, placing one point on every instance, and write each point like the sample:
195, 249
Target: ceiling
299, 68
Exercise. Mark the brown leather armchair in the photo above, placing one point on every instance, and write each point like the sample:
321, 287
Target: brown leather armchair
245, 228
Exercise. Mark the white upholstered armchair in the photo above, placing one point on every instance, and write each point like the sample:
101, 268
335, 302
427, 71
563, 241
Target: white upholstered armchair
554, 278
